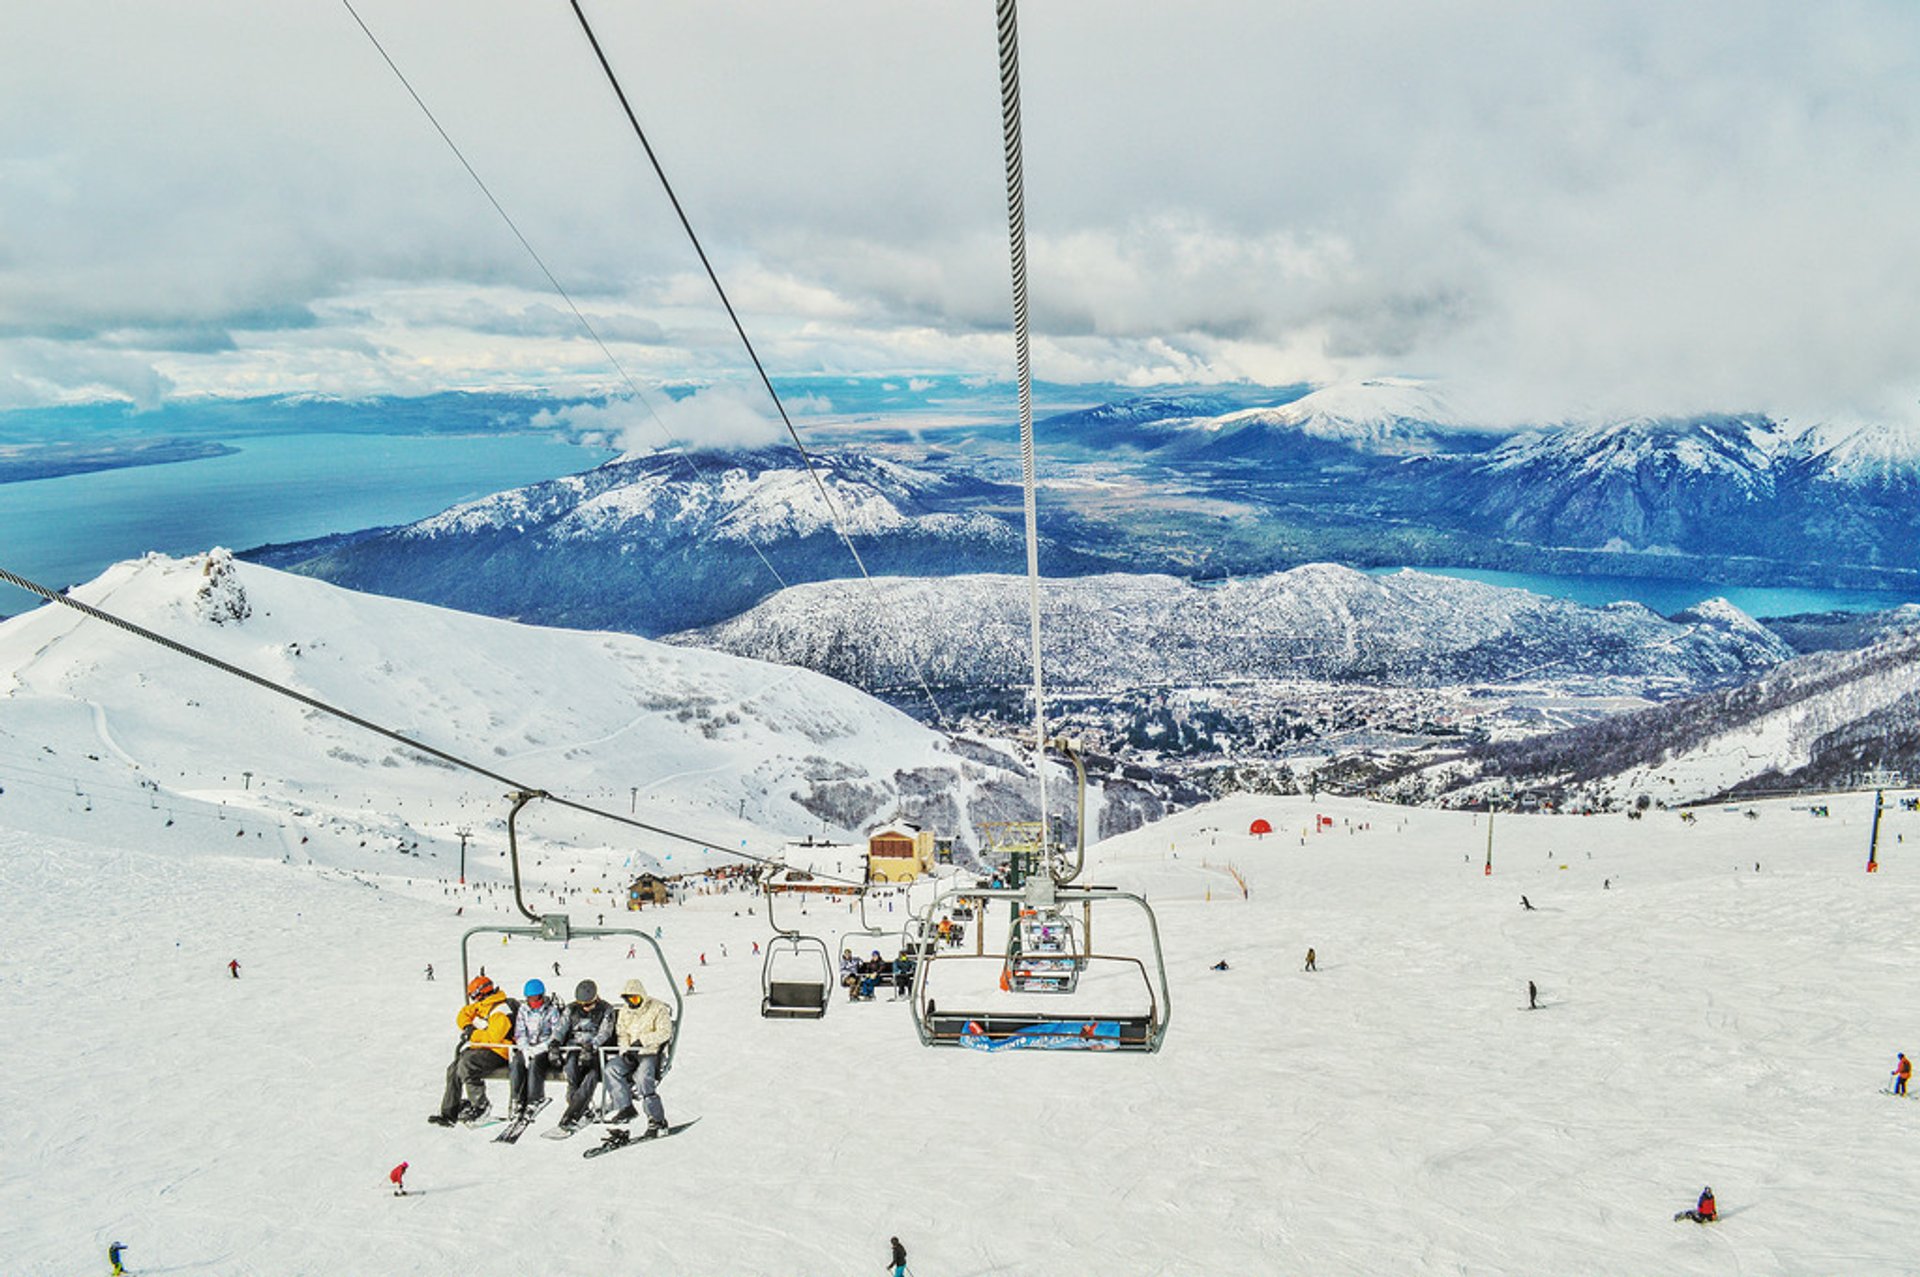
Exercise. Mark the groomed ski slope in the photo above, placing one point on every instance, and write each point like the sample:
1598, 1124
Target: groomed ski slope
1396, 1112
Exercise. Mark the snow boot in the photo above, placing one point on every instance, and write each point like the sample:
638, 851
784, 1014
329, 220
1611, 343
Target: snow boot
626, 1114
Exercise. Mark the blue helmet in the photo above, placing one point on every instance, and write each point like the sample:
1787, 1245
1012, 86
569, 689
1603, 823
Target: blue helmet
534, 989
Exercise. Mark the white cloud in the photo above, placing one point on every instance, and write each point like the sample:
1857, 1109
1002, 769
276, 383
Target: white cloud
1637, 206
721, 417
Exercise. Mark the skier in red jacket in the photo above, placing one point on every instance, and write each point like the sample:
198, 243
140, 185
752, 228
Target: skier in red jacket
398, 1177
1703, 1211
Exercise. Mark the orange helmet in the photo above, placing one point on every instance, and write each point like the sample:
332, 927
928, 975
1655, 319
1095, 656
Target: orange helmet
479, 987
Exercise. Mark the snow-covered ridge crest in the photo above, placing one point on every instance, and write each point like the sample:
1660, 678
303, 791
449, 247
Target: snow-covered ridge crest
744, 496
731, 750
1320, 621
1374, 410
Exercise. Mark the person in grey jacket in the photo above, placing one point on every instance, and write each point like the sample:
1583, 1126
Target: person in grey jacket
535, 1028
584, 1029
643, 1027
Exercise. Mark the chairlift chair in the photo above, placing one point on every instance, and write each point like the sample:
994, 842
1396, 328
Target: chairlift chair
800, 988
1044, 951
870, 931
556, 927
1076, 1021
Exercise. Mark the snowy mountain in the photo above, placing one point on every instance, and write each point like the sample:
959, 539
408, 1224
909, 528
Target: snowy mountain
1381, 417
1643, 484
734, 751
1321, 622
1821, 720
657, 542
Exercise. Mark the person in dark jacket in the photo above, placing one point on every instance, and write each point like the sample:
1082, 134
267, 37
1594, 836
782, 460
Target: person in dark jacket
584, 1029
898, 1264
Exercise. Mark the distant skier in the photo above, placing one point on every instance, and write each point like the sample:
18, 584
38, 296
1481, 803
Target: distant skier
897, 1265
113, 1257
1309, 966
1220, 965
1703, 1211
233, 968
1606, 884
429, 972
1533, 997
1526, 903
1901, 1072
630, 949
397, 1177
689, 983
556, 968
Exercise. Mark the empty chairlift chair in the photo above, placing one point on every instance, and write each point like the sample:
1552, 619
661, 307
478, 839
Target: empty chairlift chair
797, 978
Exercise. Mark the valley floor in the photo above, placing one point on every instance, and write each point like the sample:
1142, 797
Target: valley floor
1397, 1111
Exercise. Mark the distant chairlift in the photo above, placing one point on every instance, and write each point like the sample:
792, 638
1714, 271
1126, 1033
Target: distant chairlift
1043, 951
555, 927
796, 980
904, 942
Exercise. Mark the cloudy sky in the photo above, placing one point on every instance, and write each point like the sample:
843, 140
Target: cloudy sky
1618, 206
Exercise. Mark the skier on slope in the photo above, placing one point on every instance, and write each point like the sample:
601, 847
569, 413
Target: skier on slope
897, 1262
484, 1022
1533, 997
642, 1029
1902, 1070
233, 968
113, 1257
1704, 1211
397, 1177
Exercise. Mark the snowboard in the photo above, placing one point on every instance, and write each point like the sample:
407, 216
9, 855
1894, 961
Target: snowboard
621, 1138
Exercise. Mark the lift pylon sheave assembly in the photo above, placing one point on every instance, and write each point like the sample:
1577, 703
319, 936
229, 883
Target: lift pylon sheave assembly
1087, 1000
557, 927
796, 980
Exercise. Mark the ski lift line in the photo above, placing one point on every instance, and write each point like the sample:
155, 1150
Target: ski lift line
54, 596
1017, 242
806, 457
586, 324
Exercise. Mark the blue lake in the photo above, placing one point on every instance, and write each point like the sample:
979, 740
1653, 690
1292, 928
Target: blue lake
276, 488
1668, 596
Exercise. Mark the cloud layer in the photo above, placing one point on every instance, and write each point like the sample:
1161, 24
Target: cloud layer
1631, 206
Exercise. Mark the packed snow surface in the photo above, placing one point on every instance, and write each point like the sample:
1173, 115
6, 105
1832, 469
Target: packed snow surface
1397, 1111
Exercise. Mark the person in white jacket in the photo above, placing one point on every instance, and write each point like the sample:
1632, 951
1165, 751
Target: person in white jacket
643, 1027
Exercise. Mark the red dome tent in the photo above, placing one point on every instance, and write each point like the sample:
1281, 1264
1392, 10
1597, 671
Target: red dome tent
1260, 827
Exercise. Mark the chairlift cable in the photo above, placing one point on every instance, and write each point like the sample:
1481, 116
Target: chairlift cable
586, 324
1017, 241
806, 457
225, 667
